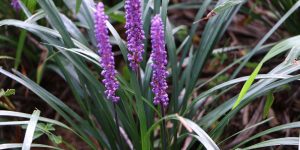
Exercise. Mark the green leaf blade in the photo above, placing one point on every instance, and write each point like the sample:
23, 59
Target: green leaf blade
247, 85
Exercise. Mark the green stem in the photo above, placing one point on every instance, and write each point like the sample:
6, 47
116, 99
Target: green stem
140, 110
70, 146
163, 128
20, 47
118, 126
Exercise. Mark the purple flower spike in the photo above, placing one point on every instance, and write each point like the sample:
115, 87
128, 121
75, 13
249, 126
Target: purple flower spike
105, 52
159, 58
135, 33
16, 5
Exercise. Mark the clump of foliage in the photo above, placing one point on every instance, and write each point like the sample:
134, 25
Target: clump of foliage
119, 112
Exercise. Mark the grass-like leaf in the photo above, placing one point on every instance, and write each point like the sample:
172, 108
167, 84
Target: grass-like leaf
274, 142
226, 5
78, 3
247, 85
20, 145
268, 104
271, 130
30, 130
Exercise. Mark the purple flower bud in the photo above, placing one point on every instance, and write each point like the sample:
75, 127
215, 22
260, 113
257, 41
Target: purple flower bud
15, 4
159, 58
105, 52
135, 33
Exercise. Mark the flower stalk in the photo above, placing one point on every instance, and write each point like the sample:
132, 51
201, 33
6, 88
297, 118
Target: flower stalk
160, 73
107, 61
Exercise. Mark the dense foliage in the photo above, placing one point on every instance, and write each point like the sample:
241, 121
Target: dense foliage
138, 86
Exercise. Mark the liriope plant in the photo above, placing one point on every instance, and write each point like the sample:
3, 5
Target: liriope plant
154, 108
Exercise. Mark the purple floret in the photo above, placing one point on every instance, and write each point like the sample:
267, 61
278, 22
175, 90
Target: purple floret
135, 33
16, 4
159, 58
105, 52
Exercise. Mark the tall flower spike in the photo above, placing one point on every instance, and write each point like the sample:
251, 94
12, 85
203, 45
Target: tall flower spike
159, 58
135, 33
15, 4
105, 52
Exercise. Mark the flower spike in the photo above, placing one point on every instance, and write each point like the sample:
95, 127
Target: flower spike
16, 4
159, 58
105, 52
134, 32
